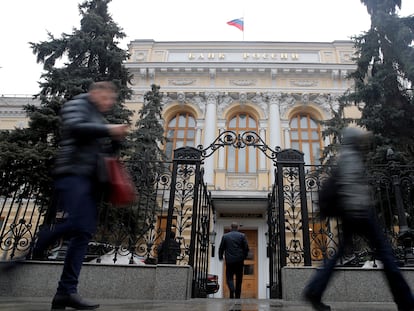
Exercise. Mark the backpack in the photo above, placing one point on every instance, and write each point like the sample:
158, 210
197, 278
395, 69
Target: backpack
329, 199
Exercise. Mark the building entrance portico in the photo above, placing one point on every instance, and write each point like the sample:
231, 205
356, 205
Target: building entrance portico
249, 211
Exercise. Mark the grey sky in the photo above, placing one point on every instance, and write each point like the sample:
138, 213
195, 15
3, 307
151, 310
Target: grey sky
22, 21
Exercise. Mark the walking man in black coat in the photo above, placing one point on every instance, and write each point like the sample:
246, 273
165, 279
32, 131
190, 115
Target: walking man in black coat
358, 217
235, 249
85, 135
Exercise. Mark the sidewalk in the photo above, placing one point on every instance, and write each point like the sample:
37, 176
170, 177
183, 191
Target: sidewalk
42, 304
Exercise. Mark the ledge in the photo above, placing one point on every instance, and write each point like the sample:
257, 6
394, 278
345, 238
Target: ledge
150, 282
346, 285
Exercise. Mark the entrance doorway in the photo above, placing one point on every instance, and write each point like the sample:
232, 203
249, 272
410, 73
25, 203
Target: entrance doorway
250, 274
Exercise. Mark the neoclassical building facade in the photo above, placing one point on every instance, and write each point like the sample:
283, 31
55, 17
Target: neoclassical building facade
279, 90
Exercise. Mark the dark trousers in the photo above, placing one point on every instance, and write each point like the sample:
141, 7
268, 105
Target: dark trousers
76, 201
234, 269
371, 230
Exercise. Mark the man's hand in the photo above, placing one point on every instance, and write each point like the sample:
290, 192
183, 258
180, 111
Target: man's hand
118, 131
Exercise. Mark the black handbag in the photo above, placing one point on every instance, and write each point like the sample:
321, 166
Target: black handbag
330, 204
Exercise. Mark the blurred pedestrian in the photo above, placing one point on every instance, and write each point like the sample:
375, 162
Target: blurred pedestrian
85, 136
358, 217
235, 249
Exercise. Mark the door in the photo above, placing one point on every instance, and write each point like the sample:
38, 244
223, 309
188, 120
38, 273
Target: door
249, 284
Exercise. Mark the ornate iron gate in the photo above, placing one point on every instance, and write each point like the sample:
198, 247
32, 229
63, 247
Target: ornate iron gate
189, 198
190, 206
288, 228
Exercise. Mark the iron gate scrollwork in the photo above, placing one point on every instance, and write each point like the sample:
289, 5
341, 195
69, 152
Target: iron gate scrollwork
190, 204
275, 236
189, 196
292, 201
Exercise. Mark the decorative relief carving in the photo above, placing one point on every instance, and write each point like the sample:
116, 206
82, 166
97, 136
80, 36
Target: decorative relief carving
166, 99
327, 102
224, 101
140, 56
243, 82
242, 97
346, 56
305, 98
274, 98
304, 83
181, 81
212, 97
181, 97
260, 100
287, 101
198, 101
241, 182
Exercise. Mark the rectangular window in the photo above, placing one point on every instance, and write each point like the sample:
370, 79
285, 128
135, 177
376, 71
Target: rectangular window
231, 159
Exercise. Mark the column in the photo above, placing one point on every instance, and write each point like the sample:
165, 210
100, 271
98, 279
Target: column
199, 127
262, 157
286, 134
274, 127
274, 121
210, 135
286, 131
221, 152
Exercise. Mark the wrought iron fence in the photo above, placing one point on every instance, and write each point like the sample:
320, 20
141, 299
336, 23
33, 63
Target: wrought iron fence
172, 196
138, 229
392, 194
132, 231
21, 213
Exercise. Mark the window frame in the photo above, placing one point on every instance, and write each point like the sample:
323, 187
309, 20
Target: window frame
176, 128
237, 151
309, 131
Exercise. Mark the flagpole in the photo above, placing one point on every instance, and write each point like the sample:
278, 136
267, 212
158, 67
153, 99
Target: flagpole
243, 24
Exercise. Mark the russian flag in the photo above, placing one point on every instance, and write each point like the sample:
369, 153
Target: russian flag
238, 22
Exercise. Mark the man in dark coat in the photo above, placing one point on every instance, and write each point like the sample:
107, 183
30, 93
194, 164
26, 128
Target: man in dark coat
358, 217
85, 134
235, 249
169, 255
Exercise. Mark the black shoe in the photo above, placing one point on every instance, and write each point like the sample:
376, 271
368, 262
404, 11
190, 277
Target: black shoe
316, 303
60, 302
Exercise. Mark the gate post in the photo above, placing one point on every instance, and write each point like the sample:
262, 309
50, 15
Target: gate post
182, 156
292, 202
190, 198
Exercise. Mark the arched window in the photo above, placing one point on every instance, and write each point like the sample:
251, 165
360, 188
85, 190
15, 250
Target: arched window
305, 135
180, 132
242, 160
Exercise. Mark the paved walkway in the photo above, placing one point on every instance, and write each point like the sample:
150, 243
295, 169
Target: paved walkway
42, 304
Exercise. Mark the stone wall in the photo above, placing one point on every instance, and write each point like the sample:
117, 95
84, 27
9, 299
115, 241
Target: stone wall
156, 282
347, 284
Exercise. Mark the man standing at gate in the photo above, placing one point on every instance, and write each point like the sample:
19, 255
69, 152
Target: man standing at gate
234, 247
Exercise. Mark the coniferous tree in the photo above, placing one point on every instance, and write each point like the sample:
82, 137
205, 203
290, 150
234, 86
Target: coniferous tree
90, 54
146, 158
383, 81
383, 77
332, 128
